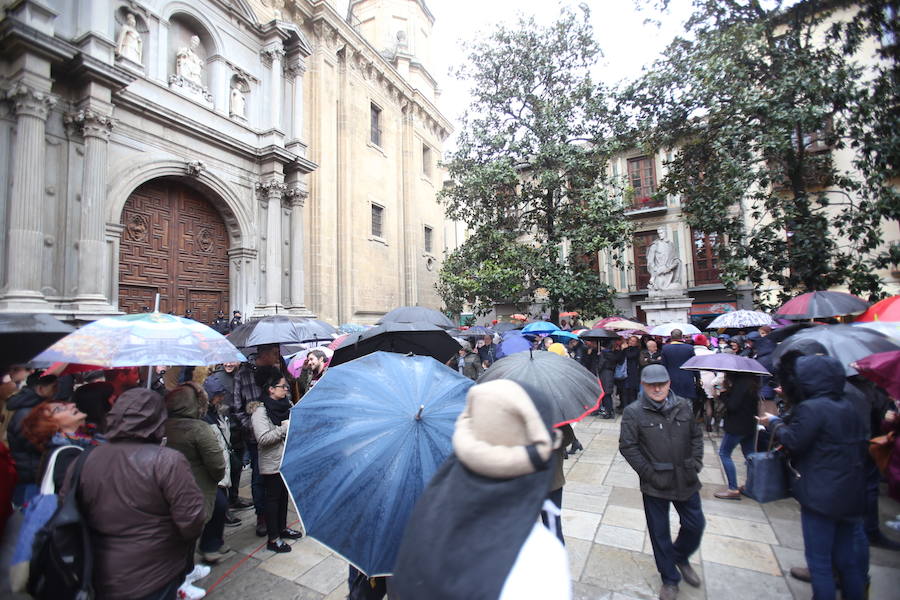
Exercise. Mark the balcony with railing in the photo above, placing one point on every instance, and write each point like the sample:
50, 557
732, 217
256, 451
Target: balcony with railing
645, 205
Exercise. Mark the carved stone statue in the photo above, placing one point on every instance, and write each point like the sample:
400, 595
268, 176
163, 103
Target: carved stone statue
130, 45
188, 63
237, 104
663, 265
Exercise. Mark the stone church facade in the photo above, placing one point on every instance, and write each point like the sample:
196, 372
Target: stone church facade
267, 156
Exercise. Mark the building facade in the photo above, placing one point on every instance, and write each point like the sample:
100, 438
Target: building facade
255, 155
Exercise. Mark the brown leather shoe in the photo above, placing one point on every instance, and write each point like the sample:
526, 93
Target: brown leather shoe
689, 574
801, 574
728, 495
668, 592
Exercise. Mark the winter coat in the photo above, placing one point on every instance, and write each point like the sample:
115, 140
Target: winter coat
140, 500
683, 382
27, 457
472, 366
826, 438
708, 379
270, 438
649, 358
664, 444
187, 432
741, 404
221, 379
220, 427
632, 354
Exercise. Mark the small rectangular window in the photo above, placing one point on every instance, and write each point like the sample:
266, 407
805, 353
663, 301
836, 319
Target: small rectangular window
377, 221
426, 160
428, 239
375, 122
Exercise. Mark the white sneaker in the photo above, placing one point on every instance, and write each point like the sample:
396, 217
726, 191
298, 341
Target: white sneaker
190, 592
199, 572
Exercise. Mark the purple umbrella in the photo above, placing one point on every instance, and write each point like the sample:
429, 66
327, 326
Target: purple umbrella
512, 345
732, 363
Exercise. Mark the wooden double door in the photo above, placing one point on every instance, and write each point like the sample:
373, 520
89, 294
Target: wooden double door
175, 244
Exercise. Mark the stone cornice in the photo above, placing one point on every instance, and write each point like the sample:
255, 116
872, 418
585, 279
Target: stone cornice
88, 68
17, 37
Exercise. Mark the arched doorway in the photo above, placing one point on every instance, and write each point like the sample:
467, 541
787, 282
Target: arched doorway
174, 243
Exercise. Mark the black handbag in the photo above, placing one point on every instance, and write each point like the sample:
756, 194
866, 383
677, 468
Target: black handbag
769, 473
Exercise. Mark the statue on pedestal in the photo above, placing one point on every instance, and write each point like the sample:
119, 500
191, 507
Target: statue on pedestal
663, 265
188, 63
130, 45
237, 104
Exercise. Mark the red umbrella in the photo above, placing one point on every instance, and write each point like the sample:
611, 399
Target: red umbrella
819, 305
570, 313
883, 369
884, 310
519, 317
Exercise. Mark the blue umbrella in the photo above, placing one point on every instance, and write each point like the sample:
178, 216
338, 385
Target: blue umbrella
564, 336
363, 444
543, 327
511, 333
512, 345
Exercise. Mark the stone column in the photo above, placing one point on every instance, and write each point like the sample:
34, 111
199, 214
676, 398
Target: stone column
272, 192
297, 198
26, 207
274, 56
410, 229
295, 71
95, 128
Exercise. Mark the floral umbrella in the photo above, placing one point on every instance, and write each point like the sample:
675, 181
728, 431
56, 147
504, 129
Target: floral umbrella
739, 319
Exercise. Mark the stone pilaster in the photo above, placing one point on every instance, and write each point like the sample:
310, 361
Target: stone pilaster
271, 193
297, 197
92, 268
26, 206
273, 56
410, 229
295, 72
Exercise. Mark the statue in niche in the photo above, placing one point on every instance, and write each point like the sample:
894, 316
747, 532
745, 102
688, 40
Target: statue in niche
130, 45
188, 63
237, 104
663, 264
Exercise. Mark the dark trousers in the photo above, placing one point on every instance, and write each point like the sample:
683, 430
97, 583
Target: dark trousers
556, 498
235, 456
213, 536
257, 489
666, 553
168, 591
363, 588
276, 505
609, 388
630, 396
873, 478
835, 545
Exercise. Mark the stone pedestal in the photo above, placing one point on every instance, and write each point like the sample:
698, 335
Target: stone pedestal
666, 309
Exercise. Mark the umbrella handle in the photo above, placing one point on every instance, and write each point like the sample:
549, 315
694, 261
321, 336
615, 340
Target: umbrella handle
419, 414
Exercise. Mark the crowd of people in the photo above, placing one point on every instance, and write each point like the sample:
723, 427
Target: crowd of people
160, 483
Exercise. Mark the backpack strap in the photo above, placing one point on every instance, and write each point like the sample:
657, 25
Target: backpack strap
47, 485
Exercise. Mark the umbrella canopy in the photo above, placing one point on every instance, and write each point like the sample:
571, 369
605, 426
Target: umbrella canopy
351, 328
666, 329
23, 335
512, 345
423, 339
141, 340
277, 329
883, 310
569, 313
883, 369
599, 334
504, 327
519, 317
847, 343
739, 319
361, 447
621, 324
573, 388
540, 327
314, 329
476, 330
563, 336
819, 305
417, 314
732, 363
892, 330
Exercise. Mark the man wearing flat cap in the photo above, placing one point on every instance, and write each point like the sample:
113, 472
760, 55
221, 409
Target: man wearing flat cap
663, 442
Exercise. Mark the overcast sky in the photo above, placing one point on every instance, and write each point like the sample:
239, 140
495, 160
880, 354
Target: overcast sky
627, 43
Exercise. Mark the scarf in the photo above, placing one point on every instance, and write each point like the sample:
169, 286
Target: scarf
277, 410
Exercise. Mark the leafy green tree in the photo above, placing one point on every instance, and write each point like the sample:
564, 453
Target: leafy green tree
757, 100
529, 172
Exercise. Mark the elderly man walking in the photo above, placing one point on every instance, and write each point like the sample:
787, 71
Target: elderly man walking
662, 441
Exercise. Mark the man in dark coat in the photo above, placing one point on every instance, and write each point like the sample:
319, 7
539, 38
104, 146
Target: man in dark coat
221, 323
675, 354
663, 443
236, 320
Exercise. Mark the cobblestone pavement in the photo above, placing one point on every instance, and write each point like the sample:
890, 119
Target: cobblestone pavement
746, 553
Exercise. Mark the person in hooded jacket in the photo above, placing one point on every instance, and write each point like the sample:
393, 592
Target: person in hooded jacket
827, 441
142, 505
39, 388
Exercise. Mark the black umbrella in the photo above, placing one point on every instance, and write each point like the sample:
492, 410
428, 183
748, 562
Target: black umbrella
783, 333
820, 305
23, 336
844, 342
599, 334
311, 330
573, 388
277, 329
422, 339
476, 330
417, 314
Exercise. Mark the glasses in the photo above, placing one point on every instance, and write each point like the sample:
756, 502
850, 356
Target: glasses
58, 409
284, 387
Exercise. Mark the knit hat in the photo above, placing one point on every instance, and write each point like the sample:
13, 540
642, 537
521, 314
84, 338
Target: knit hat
700, 340
500, 434
558, 348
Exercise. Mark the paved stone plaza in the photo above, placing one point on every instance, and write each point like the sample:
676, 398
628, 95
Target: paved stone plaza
746, 552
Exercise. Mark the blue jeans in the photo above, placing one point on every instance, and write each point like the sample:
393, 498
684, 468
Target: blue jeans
213, 536
729, 442
257, 489
835, 545
668, 554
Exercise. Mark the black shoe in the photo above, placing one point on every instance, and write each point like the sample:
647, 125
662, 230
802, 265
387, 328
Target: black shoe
576, 447
880, 541
231, 521
689, 574
261, 529
278, 546
240, 503
291, 534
